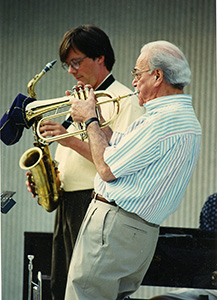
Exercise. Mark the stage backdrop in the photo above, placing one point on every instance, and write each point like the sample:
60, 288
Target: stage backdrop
31, 32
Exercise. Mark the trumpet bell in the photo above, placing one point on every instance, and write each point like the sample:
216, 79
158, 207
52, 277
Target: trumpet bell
40, 107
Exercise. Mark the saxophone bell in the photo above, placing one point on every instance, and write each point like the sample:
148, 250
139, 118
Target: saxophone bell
38, 162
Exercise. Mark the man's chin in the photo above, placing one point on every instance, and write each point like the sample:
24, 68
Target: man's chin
141, 102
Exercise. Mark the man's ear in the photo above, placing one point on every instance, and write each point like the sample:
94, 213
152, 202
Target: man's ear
159, 75
101, 59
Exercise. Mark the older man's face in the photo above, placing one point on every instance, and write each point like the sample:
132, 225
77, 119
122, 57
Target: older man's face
144, 81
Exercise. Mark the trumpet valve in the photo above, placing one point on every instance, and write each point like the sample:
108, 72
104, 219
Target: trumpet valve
80, 93
86, 92
83, 93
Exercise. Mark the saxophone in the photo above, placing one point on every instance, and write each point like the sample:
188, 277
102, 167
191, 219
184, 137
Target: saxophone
38, 160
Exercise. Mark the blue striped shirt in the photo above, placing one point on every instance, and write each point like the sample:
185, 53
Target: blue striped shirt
154, 159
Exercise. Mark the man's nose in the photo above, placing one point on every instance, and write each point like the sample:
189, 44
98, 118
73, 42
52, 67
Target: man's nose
134, 83
72, 70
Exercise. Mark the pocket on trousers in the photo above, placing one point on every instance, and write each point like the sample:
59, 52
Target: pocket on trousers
97, 225
134, 233
87, 219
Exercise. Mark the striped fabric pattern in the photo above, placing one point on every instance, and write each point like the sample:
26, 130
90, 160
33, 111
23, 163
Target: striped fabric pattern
154, 160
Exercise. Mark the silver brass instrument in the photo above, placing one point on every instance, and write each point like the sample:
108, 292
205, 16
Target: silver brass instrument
38, 159
34, 289
30, 267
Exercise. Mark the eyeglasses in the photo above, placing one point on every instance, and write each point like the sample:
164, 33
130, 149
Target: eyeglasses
74, 63
137, 74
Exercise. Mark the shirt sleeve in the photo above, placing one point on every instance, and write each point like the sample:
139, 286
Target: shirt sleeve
135, 150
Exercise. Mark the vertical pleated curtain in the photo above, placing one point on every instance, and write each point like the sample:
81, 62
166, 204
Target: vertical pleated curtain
31, 32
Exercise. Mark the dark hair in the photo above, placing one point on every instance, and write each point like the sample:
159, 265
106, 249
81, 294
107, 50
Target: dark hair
91, 41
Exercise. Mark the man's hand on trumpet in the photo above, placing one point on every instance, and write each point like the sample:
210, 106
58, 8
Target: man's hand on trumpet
52, 128
88, 108
82, 111
85, 112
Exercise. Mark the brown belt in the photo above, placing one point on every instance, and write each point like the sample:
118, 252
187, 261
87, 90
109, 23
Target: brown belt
100, 198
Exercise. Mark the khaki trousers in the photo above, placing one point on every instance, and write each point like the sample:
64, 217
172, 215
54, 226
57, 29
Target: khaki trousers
113, 251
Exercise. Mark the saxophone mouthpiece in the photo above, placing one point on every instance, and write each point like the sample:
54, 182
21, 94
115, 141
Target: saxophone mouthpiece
49, 66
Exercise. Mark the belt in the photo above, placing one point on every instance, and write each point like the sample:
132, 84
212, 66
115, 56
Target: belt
100, 198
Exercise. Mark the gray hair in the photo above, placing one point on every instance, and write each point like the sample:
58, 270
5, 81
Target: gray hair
170, 59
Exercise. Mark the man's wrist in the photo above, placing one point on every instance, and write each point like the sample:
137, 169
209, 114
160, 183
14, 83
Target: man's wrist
91, 120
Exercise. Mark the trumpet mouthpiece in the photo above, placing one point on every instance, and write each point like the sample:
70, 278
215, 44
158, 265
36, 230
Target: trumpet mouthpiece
49, 65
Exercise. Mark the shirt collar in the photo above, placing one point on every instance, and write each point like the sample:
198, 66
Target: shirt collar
106, 82
168, 100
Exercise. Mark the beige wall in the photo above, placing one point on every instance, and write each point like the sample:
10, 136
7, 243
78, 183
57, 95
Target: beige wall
31, 33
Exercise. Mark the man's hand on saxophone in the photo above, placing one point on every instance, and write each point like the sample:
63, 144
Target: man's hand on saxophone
30, 184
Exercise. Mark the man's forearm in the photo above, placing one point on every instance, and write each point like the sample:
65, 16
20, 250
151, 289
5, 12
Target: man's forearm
81, 147
98, 142
108, 132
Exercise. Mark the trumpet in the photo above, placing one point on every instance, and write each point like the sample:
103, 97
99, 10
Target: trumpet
38, 108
